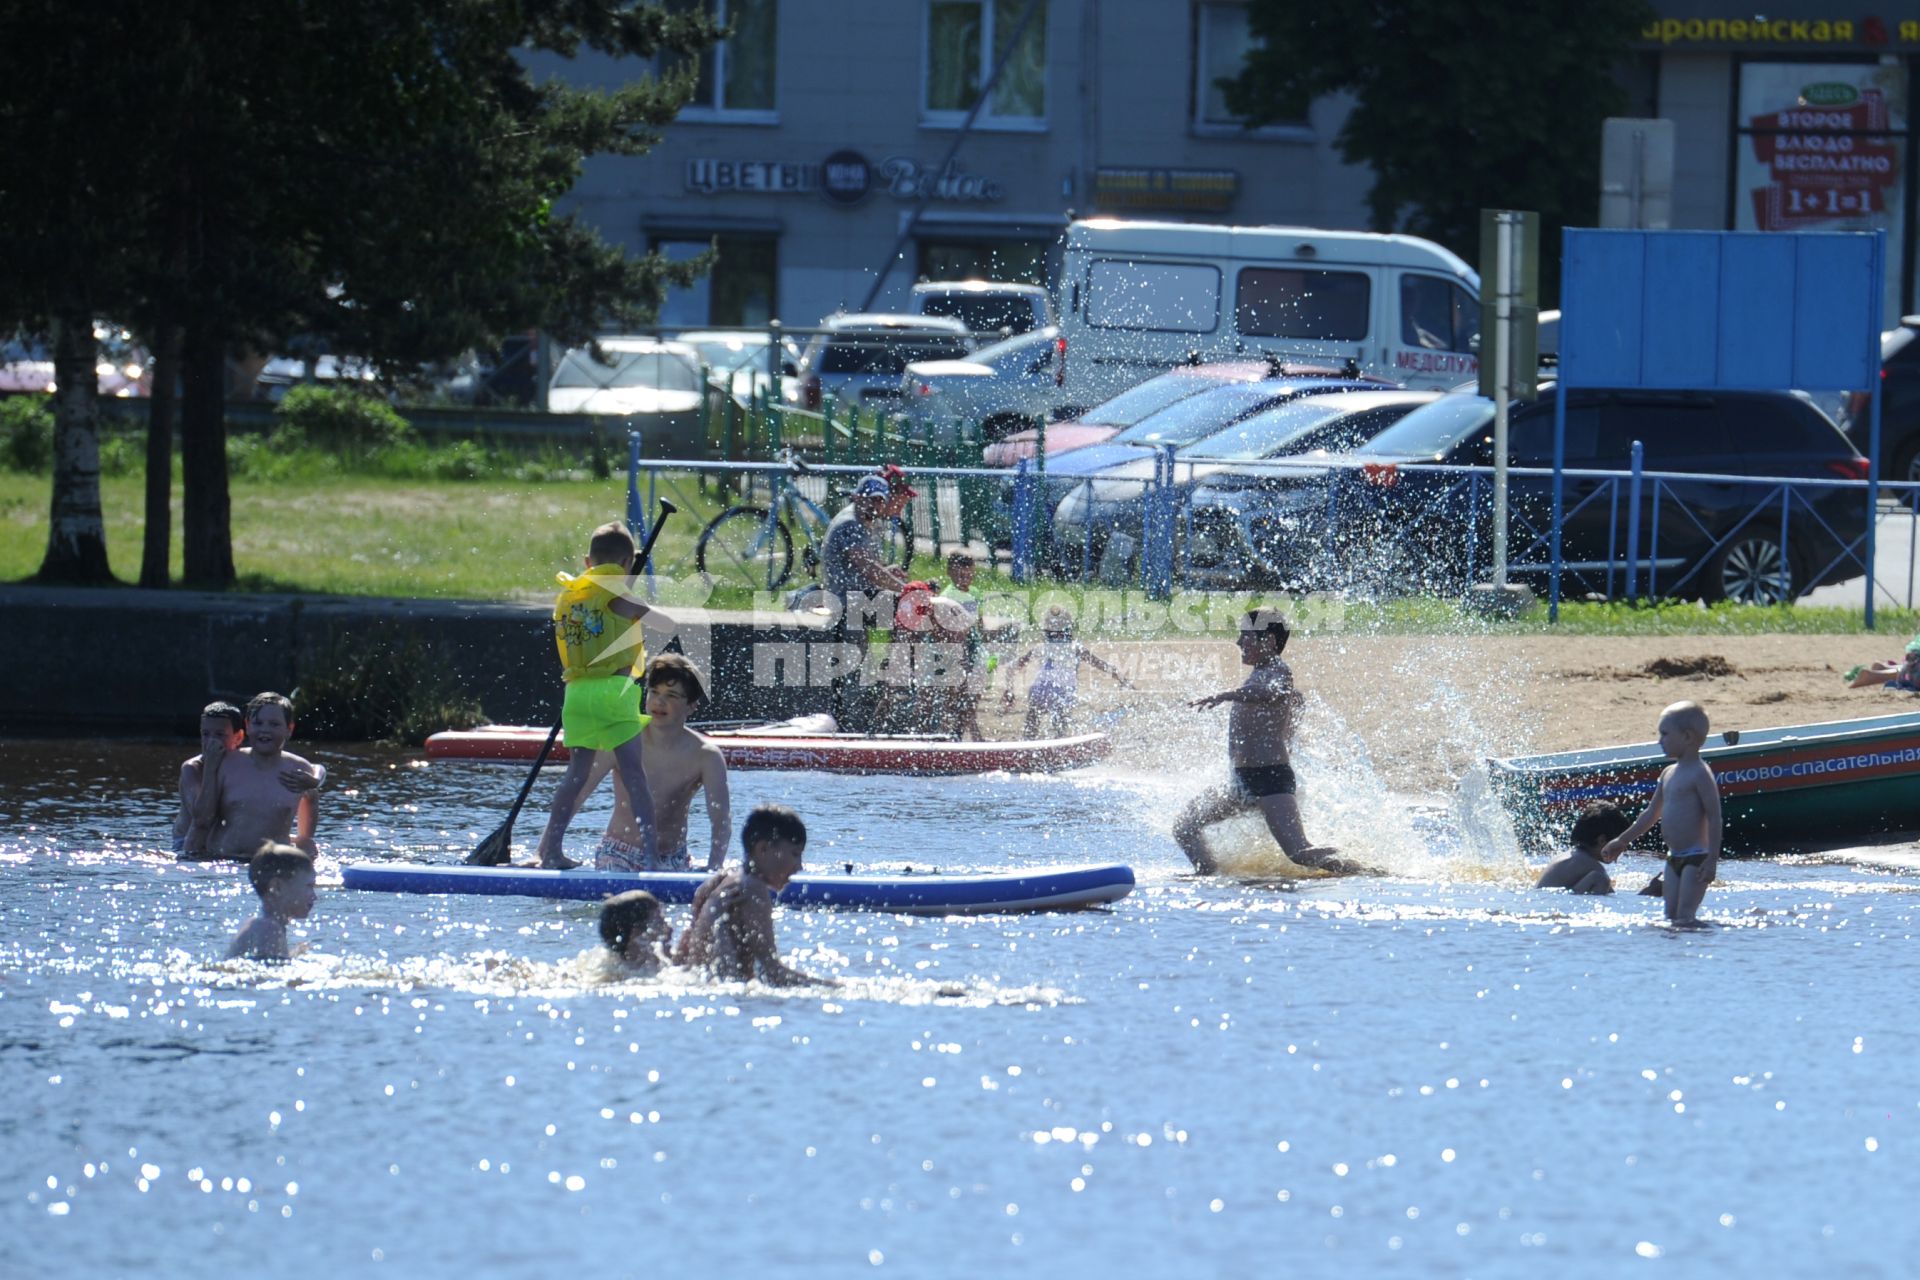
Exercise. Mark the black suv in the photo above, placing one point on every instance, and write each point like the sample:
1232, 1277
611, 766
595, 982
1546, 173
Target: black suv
1392, 526
1900, 411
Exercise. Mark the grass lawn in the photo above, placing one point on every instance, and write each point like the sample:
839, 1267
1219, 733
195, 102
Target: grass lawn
504, 540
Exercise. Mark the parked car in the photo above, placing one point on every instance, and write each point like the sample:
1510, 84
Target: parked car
26, 364
1182, 422
1112, 502
1900, 408
985, 306
1000, 388
736, 359
1105, 420
1401, 527
280, 374
860, 359
655, 384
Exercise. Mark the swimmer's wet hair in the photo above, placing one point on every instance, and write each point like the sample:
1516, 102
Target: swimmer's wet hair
1599, 823
625, 915
612, 543
271, 699
677, 669
272, 862
226, 711
1269, 621
772, 822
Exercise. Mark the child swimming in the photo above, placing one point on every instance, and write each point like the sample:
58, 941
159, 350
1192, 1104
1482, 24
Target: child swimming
283, 877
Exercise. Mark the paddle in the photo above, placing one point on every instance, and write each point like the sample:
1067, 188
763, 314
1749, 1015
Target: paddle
497, 849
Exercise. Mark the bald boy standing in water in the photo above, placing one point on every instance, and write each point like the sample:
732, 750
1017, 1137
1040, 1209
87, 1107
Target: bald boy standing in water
1259, 727
1686, 804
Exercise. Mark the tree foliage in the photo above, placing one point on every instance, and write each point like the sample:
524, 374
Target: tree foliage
1458, 107
381, 176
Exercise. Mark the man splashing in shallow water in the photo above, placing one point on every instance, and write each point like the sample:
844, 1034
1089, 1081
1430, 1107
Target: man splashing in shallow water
1259, 726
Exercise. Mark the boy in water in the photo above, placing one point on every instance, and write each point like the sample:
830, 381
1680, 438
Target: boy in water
1686, 804
596, 623
680, 764
732, 929
1581, 871
260, 793
223, 728
1259, 727
633, 925
283, 877
1055, 690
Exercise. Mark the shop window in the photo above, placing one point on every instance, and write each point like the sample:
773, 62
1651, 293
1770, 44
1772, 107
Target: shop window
962, 38
1222, 39
737, 74
739, 291
1437, 315
1011, 261
1326, 306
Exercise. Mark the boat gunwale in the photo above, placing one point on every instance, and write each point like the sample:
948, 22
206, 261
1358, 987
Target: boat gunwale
1777, 739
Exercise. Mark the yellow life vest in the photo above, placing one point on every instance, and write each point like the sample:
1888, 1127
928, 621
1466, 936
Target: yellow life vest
594, 640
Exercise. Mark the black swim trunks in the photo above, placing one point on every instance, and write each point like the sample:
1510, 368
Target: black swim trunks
1259, 780
1678, 862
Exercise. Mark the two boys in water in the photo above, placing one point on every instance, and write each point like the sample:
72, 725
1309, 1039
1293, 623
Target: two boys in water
245, 788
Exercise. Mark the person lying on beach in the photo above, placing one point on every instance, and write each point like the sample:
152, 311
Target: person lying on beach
1581, 870
283, 877
1055, 690
680, 765
1260, 726
1903, 675
1686, 804
262, 792
223, 728
732, 929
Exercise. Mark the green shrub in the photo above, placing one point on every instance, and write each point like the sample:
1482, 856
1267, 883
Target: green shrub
462, 460
336, 420
383, 683
122, 455
26, 433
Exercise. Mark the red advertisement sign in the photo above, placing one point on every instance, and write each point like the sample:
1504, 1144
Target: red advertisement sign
1824, 162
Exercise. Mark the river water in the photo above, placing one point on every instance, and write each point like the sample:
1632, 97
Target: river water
1438, 1071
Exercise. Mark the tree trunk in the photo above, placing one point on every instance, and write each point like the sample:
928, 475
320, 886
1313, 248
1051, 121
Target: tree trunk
206, 514
77, 533
162, 408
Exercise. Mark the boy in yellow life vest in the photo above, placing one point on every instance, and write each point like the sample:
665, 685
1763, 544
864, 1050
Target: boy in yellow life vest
596, 623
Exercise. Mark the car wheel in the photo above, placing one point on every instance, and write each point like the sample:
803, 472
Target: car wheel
1906, 461
1752, 568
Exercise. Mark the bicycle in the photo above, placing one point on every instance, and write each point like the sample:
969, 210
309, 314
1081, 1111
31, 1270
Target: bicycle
752, 546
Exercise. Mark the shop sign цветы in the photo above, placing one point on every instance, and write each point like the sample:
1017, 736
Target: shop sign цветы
773, 177
844, 178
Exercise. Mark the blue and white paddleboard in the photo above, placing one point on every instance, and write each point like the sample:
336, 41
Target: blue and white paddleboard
917, 893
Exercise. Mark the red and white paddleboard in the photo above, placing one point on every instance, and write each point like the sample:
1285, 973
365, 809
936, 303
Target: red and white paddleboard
765, 747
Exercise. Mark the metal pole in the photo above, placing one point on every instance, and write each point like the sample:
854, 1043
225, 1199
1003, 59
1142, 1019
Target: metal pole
966, 126
1502, 374
1637, 460
1873, 430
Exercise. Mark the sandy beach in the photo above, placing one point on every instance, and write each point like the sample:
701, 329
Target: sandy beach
1424, 706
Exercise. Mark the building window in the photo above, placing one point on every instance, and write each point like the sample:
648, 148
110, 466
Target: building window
962, 38
1014, 261
739, 291
737, 74
1222, 39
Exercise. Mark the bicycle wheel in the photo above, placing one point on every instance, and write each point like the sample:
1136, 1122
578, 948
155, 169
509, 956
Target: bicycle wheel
741, 548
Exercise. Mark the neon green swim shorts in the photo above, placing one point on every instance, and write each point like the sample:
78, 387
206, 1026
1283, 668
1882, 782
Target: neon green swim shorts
601, 712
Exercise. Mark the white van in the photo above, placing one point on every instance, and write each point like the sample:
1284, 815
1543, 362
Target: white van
1140, 297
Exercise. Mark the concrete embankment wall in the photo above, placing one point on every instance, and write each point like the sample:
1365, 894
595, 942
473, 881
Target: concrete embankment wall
127, 662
